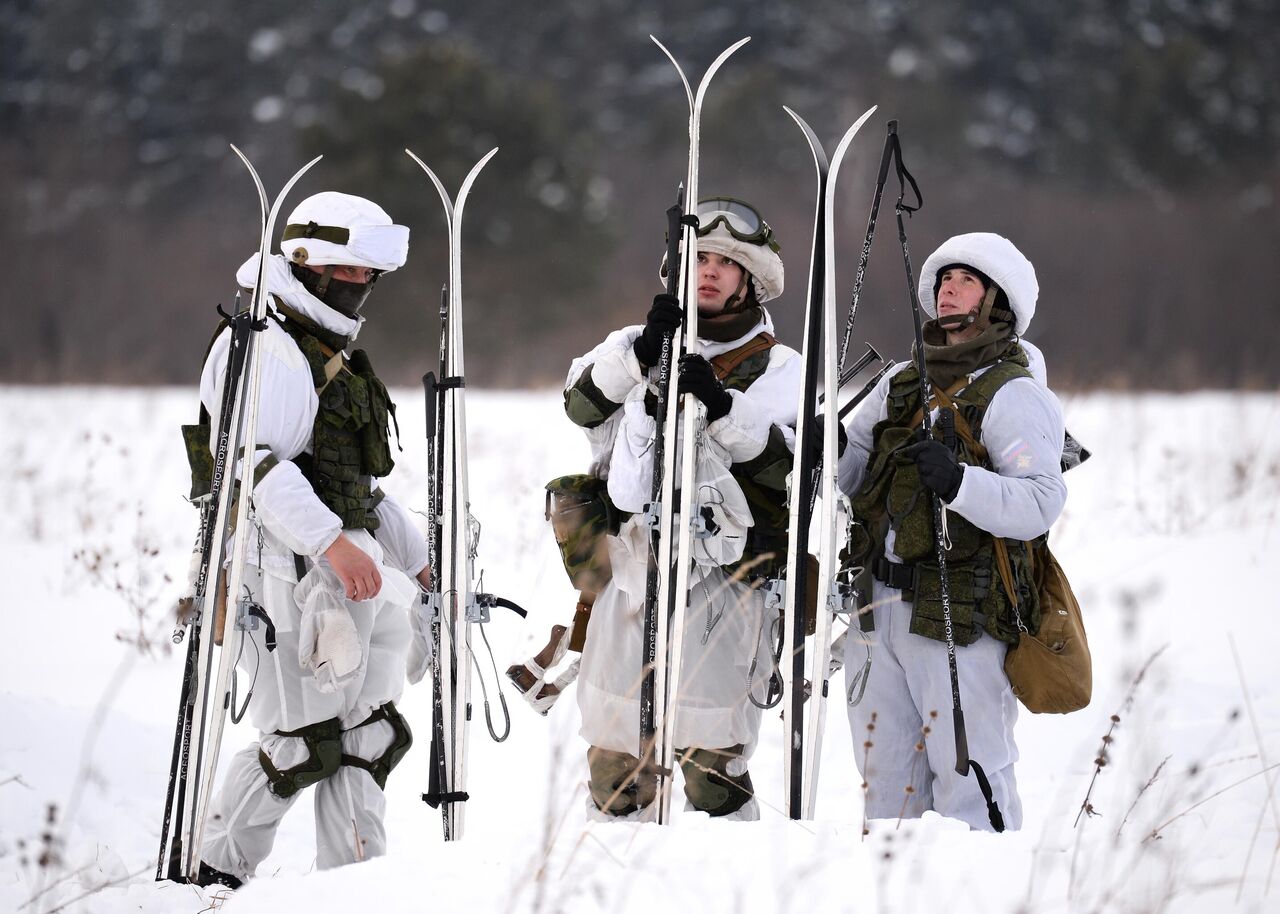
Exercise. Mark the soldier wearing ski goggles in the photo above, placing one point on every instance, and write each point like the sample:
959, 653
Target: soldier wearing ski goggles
749, 386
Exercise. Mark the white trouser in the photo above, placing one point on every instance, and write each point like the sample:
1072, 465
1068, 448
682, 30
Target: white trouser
726, 629
910, 681
349, 805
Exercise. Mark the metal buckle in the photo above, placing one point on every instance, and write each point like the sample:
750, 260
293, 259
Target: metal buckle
774, 592
478, 606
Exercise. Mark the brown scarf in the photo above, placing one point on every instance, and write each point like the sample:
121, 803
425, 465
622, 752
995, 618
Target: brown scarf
946, 364
725, 328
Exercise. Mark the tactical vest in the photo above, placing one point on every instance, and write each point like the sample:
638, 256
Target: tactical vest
349, 440
893, 497
738, 370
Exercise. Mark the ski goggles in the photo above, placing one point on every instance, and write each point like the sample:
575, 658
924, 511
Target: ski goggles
739, 219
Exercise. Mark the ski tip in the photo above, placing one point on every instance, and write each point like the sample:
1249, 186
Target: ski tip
893, 126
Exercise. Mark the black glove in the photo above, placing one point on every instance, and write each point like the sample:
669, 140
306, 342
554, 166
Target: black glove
939, 469
663, 320
697, 377
819, 436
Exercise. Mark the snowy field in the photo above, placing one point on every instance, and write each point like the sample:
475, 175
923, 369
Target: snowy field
1165, 537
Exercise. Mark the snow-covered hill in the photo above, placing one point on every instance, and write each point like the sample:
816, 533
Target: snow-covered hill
1166, 537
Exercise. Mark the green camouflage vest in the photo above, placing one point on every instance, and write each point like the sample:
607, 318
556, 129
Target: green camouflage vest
893, 497
763, 480
349, 442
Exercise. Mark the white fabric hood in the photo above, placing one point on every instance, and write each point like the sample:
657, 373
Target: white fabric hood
995, 256
281, 282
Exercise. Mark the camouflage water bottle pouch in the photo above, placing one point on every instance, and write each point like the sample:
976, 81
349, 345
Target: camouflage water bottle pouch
582, 516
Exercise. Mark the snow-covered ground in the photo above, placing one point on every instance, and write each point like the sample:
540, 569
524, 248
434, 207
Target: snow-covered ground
1165, 537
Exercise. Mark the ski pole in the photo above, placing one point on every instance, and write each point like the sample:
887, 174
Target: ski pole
963, 763
885, 155
649, 672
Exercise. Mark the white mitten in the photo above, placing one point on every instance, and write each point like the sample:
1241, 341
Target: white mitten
329, 644
421, 648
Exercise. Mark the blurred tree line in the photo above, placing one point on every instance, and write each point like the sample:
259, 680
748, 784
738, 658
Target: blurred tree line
1129, 148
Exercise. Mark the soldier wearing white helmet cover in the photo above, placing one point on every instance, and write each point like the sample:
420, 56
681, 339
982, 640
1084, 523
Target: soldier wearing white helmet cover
750, 386
1004, 480
339, 599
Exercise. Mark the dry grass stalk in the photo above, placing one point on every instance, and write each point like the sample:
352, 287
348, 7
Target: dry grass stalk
1103, 757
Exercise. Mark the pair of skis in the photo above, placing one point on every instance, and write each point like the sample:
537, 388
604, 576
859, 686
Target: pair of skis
453, 603
673, 526
205, 699
667, 586
816, 480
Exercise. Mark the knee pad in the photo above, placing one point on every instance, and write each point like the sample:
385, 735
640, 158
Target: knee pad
401, 740
324, 757
615, 786
708, 784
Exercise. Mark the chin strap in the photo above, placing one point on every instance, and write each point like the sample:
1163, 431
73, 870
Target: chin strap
953, 322
737, 302
323, 285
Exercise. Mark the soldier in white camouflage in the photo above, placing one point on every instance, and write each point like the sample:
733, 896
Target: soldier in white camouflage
749, 384
324, 700
1000, 477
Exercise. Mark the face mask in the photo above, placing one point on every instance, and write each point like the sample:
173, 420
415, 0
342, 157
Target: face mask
344, 297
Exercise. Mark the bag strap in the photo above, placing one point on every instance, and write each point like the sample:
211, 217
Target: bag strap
942, 396
726, 362
962, 426
335, 361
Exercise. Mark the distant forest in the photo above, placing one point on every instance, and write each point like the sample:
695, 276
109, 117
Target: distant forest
1131, 148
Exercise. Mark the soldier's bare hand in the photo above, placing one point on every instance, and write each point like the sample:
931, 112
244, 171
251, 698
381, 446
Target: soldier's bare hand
358, 573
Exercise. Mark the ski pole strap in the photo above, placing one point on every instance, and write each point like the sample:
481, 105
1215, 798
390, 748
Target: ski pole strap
993, 809
449, 383
514, 607
257, 612
905, 179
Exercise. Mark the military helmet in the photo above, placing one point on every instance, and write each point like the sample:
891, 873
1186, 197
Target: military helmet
734, 229
337, 228
996, 259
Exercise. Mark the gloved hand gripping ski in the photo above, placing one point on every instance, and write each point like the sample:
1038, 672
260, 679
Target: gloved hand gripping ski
663, 319
697, 377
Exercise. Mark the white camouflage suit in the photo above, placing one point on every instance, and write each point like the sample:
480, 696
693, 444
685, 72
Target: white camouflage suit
364, 645
909, 676
726, 627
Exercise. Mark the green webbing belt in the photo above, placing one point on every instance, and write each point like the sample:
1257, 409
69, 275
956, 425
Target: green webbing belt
331, 233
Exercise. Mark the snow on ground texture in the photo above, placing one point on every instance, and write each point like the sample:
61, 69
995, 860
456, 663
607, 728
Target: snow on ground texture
1165, 536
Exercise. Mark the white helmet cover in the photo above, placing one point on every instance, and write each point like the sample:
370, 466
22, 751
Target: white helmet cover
332, 227
759, 260
993, 255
